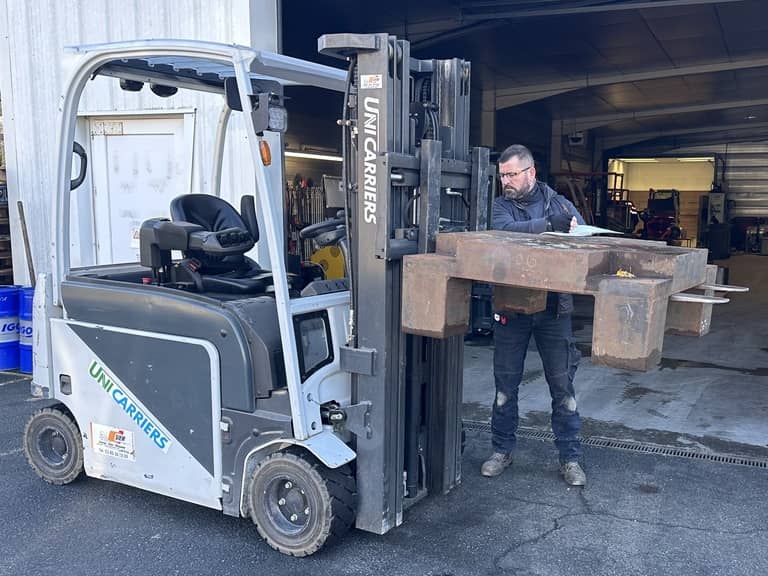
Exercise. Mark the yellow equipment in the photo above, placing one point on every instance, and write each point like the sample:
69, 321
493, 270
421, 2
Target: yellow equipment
330, 260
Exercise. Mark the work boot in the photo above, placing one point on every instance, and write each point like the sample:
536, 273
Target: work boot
495, 464
573, 474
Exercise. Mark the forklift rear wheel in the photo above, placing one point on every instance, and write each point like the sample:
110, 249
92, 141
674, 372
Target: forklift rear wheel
53, 445
298, 505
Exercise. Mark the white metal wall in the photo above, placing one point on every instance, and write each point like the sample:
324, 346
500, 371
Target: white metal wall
32, 36
746, 175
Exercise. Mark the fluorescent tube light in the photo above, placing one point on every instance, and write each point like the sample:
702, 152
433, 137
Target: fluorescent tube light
311, 156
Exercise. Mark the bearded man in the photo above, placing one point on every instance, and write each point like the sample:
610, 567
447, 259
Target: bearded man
530, 206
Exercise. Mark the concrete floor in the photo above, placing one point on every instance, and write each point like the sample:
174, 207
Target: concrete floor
709, 393
640, 515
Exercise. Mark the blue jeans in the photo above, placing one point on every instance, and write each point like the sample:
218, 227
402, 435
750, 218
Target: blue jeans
560, 357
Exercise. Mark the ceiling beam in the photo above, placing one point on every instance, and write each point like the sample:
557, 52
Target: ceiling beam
589, 122
481, 11
626, 139
506, 97
712, 143
453, 33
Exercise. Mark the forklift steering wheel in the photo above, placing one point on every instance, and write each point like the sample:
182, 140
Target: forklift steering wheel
314, 230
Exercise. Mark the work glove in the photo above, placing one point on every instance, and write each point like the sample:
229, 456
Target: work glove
560, 222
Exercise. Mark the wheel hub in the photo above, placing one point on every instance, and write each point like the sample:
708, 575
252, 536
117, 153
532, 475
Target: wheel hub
52, 447
287, 505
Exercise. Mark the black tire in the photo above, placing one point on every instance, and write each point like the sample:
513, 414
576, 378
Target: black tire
299, 505
53, 445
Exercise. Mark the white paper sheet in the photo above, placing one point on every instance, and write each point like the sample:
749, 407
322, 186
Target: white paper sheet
583, 230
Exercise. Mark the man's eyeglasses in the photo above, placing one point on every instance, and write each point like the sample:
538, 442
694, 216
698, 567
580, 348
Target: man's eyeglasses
510, 175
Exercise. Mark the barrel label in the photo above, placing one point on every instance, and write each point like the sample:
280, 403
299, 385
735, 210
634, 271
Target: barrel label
25, 332
9, 329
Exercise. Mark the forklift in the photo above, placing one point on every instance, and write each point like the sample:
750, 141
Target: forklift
201, 374
661, 217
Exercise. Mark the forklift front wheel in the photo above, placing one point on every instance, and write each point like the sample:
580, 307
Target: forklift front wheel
53, 445
298, 505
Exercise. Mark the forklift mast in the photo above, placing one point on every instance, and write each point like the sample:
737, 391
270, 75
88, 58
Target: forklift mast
409, 173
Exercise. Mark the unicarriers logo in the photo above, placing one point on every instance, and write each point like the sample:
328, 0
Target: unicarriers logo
370, 147
129, 406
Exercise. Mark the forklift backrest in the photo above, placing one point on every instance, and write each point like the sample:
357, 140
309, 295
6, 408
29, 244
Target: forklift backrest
213, 214
663, 203
248, 214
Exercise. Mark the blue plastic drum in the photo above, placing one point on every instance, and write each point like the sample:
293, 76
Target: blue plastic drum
9, 327
26, 296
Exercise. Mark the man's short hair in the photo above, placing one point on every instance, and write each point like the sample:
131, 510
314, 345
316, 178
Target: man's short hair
517, 151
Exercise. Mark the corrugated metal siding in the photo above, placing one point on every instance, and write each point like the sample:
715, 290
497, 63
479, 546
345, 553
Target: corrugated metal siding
31, 79
746, 175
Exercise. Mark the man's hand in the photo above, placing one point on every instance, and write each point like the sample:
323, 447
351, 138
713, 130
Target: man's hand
562, 222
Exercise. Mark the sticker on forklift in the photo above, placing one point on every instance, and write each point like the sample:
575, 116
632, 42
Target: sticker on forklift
114, 442
370, 81
135, 229
129, 405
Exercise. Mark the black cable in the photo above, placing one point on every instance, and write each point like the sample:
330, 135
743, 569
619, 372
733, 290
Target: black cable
407, 207
347, 156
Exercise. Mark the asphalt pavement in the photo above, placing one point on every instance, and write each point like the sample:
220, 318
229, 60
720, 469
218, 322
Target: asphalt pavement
639, 515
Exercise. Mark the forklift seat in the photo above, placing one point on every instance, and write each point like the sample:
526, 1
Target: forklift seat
232, 274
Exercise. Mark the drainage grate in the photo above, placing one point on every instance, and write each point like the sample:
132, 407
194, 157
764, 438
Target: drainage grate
533, 434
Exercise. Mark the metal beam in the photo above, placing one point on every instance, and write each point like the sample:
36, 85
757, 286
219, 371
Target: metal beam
508, 101
556, 148
453, 33
590, 122
506, 97
712, 142
479, 12
488, 118
616, 141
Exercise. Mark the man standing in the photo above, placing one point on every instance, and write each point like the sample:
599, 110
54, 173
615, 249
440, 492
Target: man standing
531, 206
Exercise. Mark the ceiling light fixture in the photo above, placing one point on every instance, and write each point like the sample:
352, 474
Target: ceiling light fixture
637, 160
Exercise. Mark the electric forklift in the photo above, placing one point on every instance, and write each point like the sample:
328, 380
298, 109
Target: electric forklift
201, 374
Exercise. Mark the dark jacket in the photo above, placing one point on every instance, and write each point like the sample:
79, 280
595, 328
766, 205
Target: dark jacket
531, 217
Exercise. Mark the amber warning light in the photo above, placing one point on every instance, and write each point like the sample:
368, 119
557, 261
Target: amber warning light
266, 153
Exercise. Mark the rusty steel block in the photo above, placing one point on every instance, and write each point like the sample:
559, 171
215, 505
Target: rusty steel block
435, 303
523, 260
522, 300
630, 312
692, 318
630, 315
